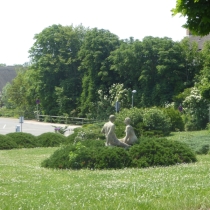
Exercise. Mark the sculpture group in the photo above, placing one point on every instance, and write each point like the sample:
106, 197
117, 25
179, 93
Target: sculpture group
111, 138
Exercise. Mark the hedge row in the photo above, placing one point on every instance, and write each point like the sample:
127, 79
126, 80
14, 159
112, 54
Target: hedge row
93, 154
26, 140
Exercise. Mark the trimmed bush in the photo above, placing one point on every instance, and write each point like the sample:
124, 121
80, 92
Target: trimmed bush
50, 139
6, 142
156, 119
146, 153
177, 122
160, 152
93, 156
59, 159
87, 132
136, 116
144, 121
23, 140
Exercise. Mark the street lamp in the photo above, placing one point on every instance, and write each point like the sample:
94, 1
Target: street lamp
133, 91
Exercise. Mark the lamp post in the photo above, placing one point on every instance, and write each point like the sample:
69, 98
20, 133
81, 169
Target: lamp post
133, 91
37, 109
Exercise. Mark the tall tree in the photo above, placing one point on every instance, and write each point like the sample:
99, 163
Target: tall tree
204, 78
197, 13
55, 59
94, 53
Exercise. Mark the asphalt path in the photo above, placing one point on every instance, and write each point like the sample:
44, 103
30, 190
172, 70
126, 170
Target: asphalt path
9, 125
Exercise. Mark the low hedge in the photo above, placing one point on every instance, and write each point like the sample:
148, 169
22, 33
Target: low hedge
7, 143
23, 140
146, 153
50, 139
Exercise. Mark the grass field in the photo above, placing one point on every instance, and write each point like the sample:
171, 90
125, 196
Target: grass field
24, 185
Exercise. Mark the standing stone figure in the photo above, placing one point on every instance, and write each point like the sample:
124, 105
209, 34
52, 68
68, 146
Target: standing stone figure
130, 137
109, 131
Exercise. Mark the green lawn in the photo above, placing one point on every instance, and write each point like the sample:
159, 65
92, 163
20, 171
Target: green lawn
24, 185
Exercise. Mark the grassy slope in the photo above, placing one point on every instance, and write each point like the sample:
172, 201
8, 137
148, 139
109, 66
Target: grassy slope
24, 185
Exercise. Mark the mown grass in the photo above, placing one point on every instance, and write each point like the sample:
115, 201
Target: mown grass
195, 139
25, 185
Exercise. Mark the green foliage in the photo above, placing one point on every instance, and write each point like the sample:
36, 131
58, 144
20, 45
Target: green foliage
23, 140
59, 159
147, 121
197, 13
203, 150
160, 152
94, 53
156, 119
194, 139
93, 154
7, 143
204, 76
111, 157
50, 139
55, 61
176, 119
136, 116
119, 93
196, 110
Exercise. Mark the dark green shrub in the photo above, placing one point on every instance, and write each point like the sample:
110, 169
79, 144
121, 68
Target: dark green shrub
59, 159
136, 116
71, 138
50, 139
144, 120
87, 132
160, 152
6, 142
95, 155
112, 157
176, 119
156, 119
153, 133
23, 140
145, 153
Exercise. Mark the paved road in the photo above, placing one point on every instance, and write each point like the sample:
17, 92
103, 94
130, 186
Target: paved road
8, 125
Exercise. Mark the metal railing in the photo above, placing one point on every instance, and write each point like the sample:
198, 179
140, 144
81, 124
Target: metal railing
65, 120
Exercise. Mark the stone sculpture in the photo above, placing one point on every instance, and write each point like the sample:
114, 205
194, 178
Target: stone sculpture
109, 131
130, 137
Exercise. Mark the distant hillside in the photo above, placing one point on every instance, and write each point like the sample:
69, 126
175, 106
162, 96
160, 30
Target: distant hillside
7, 74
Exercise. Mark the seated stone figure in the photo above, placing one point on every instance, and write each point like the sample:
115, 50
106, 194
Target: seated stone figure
130, 137
109, 131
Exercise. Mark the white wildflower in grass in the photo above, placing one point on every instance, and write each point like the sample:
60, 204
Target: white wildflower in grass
24, 185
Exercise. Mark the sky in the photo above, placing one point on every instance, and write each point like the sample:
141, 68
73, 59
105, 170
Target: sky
20, 20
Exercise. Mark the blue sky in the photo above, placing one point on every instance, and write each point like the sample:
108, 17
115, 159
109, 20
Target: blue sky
21, 19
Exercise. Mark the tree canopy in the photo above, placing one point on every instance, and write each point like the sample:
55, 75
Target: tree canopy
197, 13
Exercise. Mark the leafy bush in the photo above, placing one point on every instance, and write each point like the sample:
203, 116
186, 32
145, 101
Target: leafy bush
156, 119
50, 139
23, 140
136, 116
93, 154
112, 157
160, 152
176, 119
196, 110
87, 132
59, 159
144, 121
88, 154
6, 142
